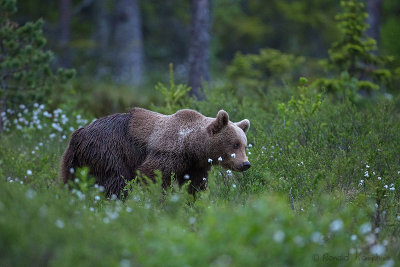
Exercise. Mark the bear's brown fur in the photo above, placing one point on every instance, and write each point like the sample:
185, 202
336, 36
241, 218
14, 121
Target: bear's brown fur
185, 144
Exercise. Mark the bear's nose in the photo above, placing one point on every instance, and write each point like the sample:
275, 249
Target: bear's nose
246, 165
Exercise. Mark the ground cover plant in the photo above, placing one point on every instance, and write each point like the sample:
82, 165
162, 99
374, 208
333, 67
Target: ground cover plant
323, 188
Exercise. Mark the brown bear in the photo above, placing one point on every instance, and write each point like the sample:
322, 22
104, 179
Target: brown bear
185, 144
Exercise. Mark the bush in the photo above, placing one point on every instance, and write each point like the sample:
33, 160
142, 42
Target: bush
25, 65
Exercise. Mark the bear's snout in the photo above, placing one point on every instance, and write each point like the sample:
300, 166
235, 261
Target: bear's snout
246, 166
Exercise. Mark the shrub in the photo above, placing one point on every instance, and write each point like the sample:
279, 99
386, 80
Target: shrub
25, 65
353, 57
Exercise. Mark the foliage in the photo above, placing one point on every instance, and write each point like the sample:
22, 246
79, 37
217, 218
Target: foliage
330, 167
256, 72
25, 65
175, 96
323, 188
354, 57
304, 27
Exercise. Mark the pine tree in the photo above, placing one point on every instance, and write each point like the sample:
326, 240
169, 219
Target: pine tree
353, 55
25, 73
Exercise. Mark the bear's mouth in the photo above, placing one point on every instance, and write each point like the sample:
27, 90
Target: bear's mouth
243, 167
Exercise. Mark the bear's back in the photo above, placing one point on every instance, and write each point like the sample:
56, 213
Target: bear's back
167, 133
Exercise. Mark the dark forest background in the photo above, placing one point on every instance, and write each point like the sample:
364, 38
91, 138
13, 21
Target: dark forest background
125, 46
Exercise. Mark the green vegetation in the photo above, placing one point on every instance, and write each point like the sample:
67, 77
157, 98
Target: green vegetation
25, 69
353, 56
323, 188
324, 181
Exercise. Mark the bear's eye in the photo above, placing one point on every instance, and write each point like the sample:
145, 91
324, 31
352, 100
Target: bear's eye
236, 146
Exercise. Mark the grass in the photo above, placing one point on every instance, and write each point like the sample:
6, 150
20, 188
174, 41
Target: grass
323, 190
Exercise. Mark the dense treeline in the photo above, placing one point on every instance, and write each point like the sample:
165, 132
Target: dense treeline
305, 28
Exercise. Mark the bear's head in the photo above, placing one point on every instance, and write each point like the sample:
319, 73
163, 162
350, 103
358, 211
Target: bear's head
228, 142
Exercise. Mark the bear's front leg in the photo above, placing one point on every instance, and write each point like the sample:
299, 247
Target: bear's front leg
198, 182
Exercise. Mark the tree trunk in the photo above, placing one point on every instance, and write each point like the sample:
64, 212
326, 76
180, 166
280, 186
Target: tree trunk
64, 7
127, 42
101, 37
374, 8
3, 101
199, 46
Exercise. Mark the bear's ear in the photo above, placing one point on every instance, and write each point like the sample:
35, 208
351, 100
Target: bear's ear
220, 122
244, 125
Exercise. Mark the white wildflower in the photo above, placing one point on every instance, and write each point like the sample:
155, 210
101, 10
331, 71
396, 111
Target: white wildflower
59, 223
210, 161
353, 237
233, 155
97, 198
279, 236
29, 172
220, 159
57, 127
174, 198
204, 178
386, 186
392, 189
336, 225
377, 250
47, 114
234, 185
388, 263
317, 237
125, 263
367, 166
365, 228
229, 172
250, 145
379, 178
186, 176
30, 193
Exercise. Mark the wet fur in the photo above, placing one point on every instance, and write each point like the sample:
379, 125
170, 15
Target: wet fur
118, 146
